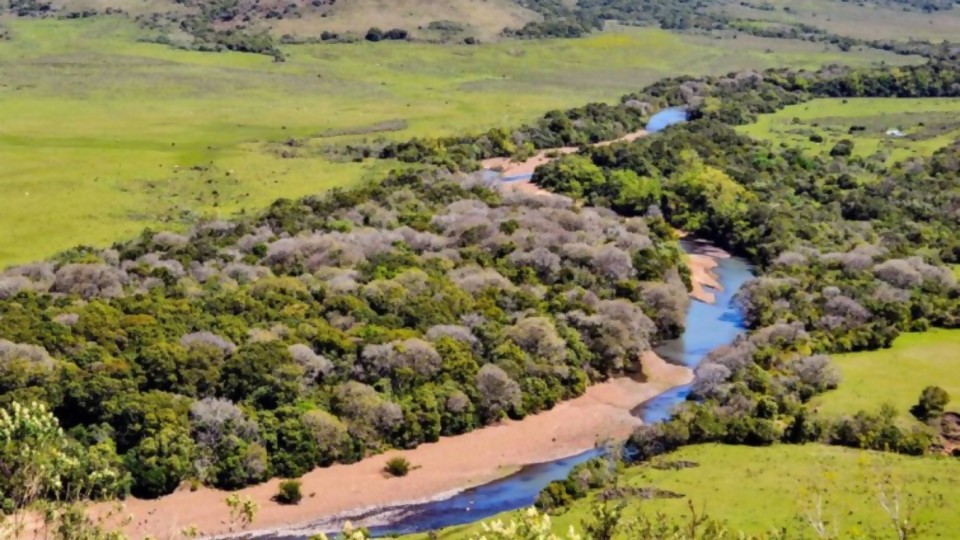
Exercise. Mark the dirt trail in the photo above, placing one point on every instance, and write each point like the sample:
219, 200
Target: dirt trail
509, 168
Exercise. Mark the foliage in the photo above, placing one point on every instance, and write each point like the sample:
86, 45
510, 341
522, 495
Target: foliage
932, 401
289, 492
33, 454
243, 510
36, 458
334, 327
347, 532
531, 525
397, 466
211, 128
592, 475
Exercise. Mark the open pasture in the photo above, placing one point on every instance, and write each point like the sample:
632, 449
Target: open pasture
103, 134
896, 375
757, 490
926, 125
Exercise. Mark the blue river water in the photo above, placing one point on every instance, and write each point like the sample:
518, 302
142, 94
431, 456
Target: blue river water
666, 118
707, 326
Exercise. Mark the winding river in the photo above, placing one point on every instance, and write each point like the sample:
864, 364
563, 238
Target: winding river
707, 326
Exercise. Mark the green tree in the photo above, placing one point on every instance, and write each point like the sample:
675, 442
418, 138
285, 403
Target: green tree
33, 457
931, 404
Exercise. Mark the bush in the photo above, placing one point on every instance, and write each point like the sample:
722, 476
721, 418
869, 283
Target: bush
843, 148
396, 34
374, 34
932, 401
398, 466
289, 492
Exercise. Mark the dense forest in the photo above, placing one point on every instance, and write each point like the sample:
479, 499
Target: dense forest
330, 328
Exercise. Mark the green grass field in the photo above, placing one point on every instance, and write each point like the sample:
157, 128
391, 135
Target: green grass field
929, 124
757, 489
896, 375
100, 132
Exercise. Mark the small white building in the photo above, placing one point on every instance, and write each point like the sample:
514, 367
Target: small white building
893, 132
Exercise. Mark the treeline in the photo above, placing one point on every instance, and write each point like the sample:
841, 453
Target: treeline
927, 6
574, 127
736, 98
333, 327
560, 20
753, 392
851, 251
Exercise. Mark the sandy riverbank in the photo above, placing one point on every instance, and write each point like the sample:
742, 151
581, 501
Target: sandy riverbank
451, 464
702, 258
703, 277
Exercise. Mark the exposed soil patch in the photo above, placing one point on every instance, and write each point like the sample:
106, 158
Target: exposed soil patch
675, 465
950, 432
639, 493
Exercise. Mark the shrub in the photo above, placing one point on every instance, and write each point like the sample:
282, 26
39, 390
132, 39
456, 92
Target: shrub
932, 401
289, 492
397, 466
843, 148
374, 34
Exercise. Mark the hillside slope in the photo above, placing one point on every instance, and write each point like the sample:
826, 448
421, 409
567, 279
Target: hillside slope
484, 19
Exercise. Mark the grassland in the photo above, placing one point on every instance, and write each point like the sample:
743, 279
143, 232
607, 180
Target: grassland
896, 375
863, 20
929, 124
755, 490
104, 134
